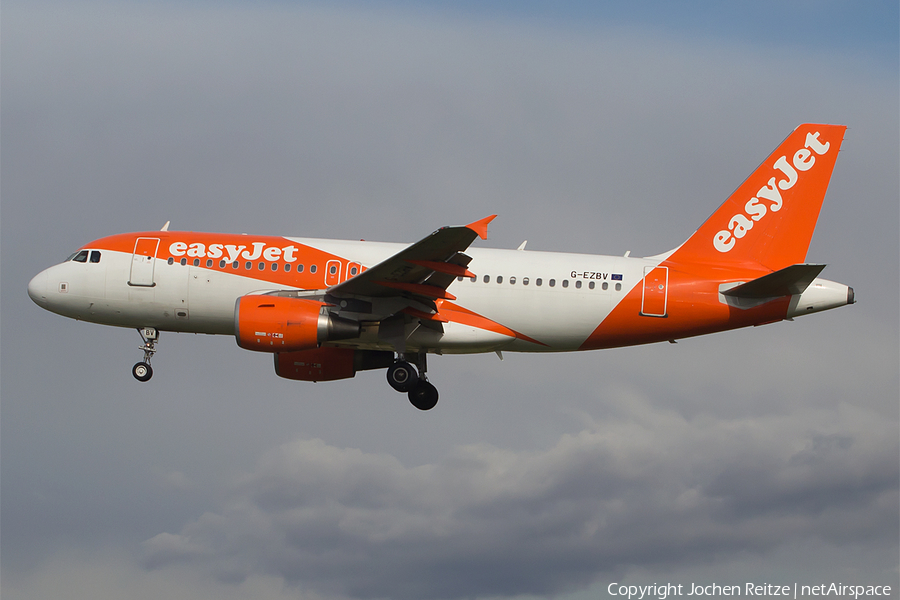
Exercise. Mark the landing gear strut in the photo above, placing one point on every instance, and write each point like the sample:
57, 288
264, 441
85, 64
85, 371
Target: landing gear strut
402, 376
142, 371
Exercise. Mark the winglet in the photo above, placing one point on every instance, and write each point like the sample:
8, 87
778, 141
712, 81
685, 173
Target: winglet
480, 226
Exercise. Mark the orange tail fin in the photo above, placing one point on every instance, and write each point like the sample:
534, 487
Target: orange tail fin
769, 220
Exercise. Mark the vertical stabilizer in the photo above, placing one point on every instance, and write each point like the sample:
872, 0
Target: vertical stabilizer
769, 220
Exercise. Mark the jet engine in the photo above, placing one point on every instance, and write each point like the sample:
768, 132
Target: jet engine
277, 324
328, 364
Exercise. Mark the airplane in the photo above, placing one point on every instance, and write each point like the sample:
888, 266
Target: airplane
327, 309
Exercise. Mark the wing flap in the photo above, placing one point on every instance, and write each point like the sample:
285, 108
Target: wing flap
432, 292
423, 270
444, 267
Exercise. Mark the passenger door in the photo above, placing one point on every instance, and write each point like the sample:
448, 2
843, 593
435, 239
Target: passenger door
656, 284
143, 262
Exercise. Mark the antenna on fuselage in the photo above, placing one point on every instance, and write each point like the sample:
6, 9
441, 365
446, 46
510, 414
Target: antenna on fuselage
166, 226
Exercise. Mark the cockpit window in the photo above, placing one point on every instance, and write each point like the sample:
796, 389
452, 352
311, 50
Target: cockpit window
95, 256
80, 256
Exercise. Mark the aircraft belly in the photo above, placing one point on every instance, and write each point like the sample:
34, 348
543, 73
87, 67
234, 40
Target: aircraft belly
458, 339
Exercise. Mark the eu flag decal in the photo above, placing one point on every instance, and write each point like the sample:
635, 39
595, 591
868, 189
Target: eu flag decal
616, 277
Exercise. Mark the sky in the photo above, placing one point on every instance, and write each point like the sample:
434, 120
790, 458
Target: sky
763, 455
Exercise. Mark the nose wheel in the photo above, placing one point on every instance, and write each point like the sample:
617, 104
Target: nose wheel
142, 371
403, 377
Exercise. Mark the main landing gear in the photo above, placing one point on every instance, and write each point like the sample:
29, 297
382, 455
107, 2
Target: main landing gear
142, 371
402, 376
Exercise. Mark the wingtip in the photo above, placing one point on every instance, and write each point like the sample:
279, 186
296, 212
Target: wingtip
481, 226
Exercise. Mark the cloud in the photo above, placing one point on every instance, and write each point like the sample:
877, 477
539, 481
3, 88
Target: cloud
642, 490
760, 451
111, 574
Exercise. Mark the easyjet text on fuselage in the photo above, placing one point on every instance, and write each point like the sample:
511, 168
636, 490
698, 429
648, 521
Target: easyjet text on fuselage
232, 252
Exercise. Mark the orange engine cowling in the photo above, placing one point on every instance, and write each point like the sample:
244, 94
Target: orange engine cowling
277, 324
328, 364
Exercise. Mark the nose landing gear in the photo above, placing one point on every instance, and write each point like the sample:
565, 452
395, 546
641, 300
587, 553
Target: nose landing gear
142, 371
402, 376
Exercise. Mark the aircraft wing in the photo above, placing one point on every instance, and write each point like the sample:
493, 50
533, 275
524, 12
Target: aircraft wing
422, 271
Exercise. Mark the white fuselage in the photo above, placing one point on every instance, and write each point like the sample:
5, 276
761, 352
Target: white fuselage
557, 298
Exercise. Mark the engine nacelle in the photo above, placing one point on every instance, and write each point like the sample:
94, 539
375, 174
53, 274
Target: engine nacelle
328, 364
277, 324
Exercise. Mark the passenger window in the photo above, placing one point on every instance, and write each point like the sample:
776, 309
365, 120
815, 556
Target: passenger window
248, 265
234, 265
524, 281
183, 261
578, 284
196, 262
460, 278
499, 278
473, 279
209, 262
332, 269
312, 268
538, 282
591, 285
262, 266
171, 261
618, 287
512, 281
565, 283
81, 256
552, 282
605, 286
287, 267
95, 256
354, 271
299, 268
487, 278
274, 266
221, 264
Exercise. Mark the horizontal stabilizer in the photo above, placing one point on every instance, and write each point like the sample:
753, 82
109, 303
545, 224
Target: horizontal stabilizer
785, 282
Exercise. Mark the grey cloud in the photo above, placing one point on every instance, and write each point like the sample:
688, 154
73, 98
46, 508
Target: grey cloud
291, 119
487, 521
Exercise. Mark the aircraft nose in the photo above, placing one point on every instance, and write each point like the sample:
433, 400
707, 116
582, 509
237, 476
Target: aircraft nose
37, 288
